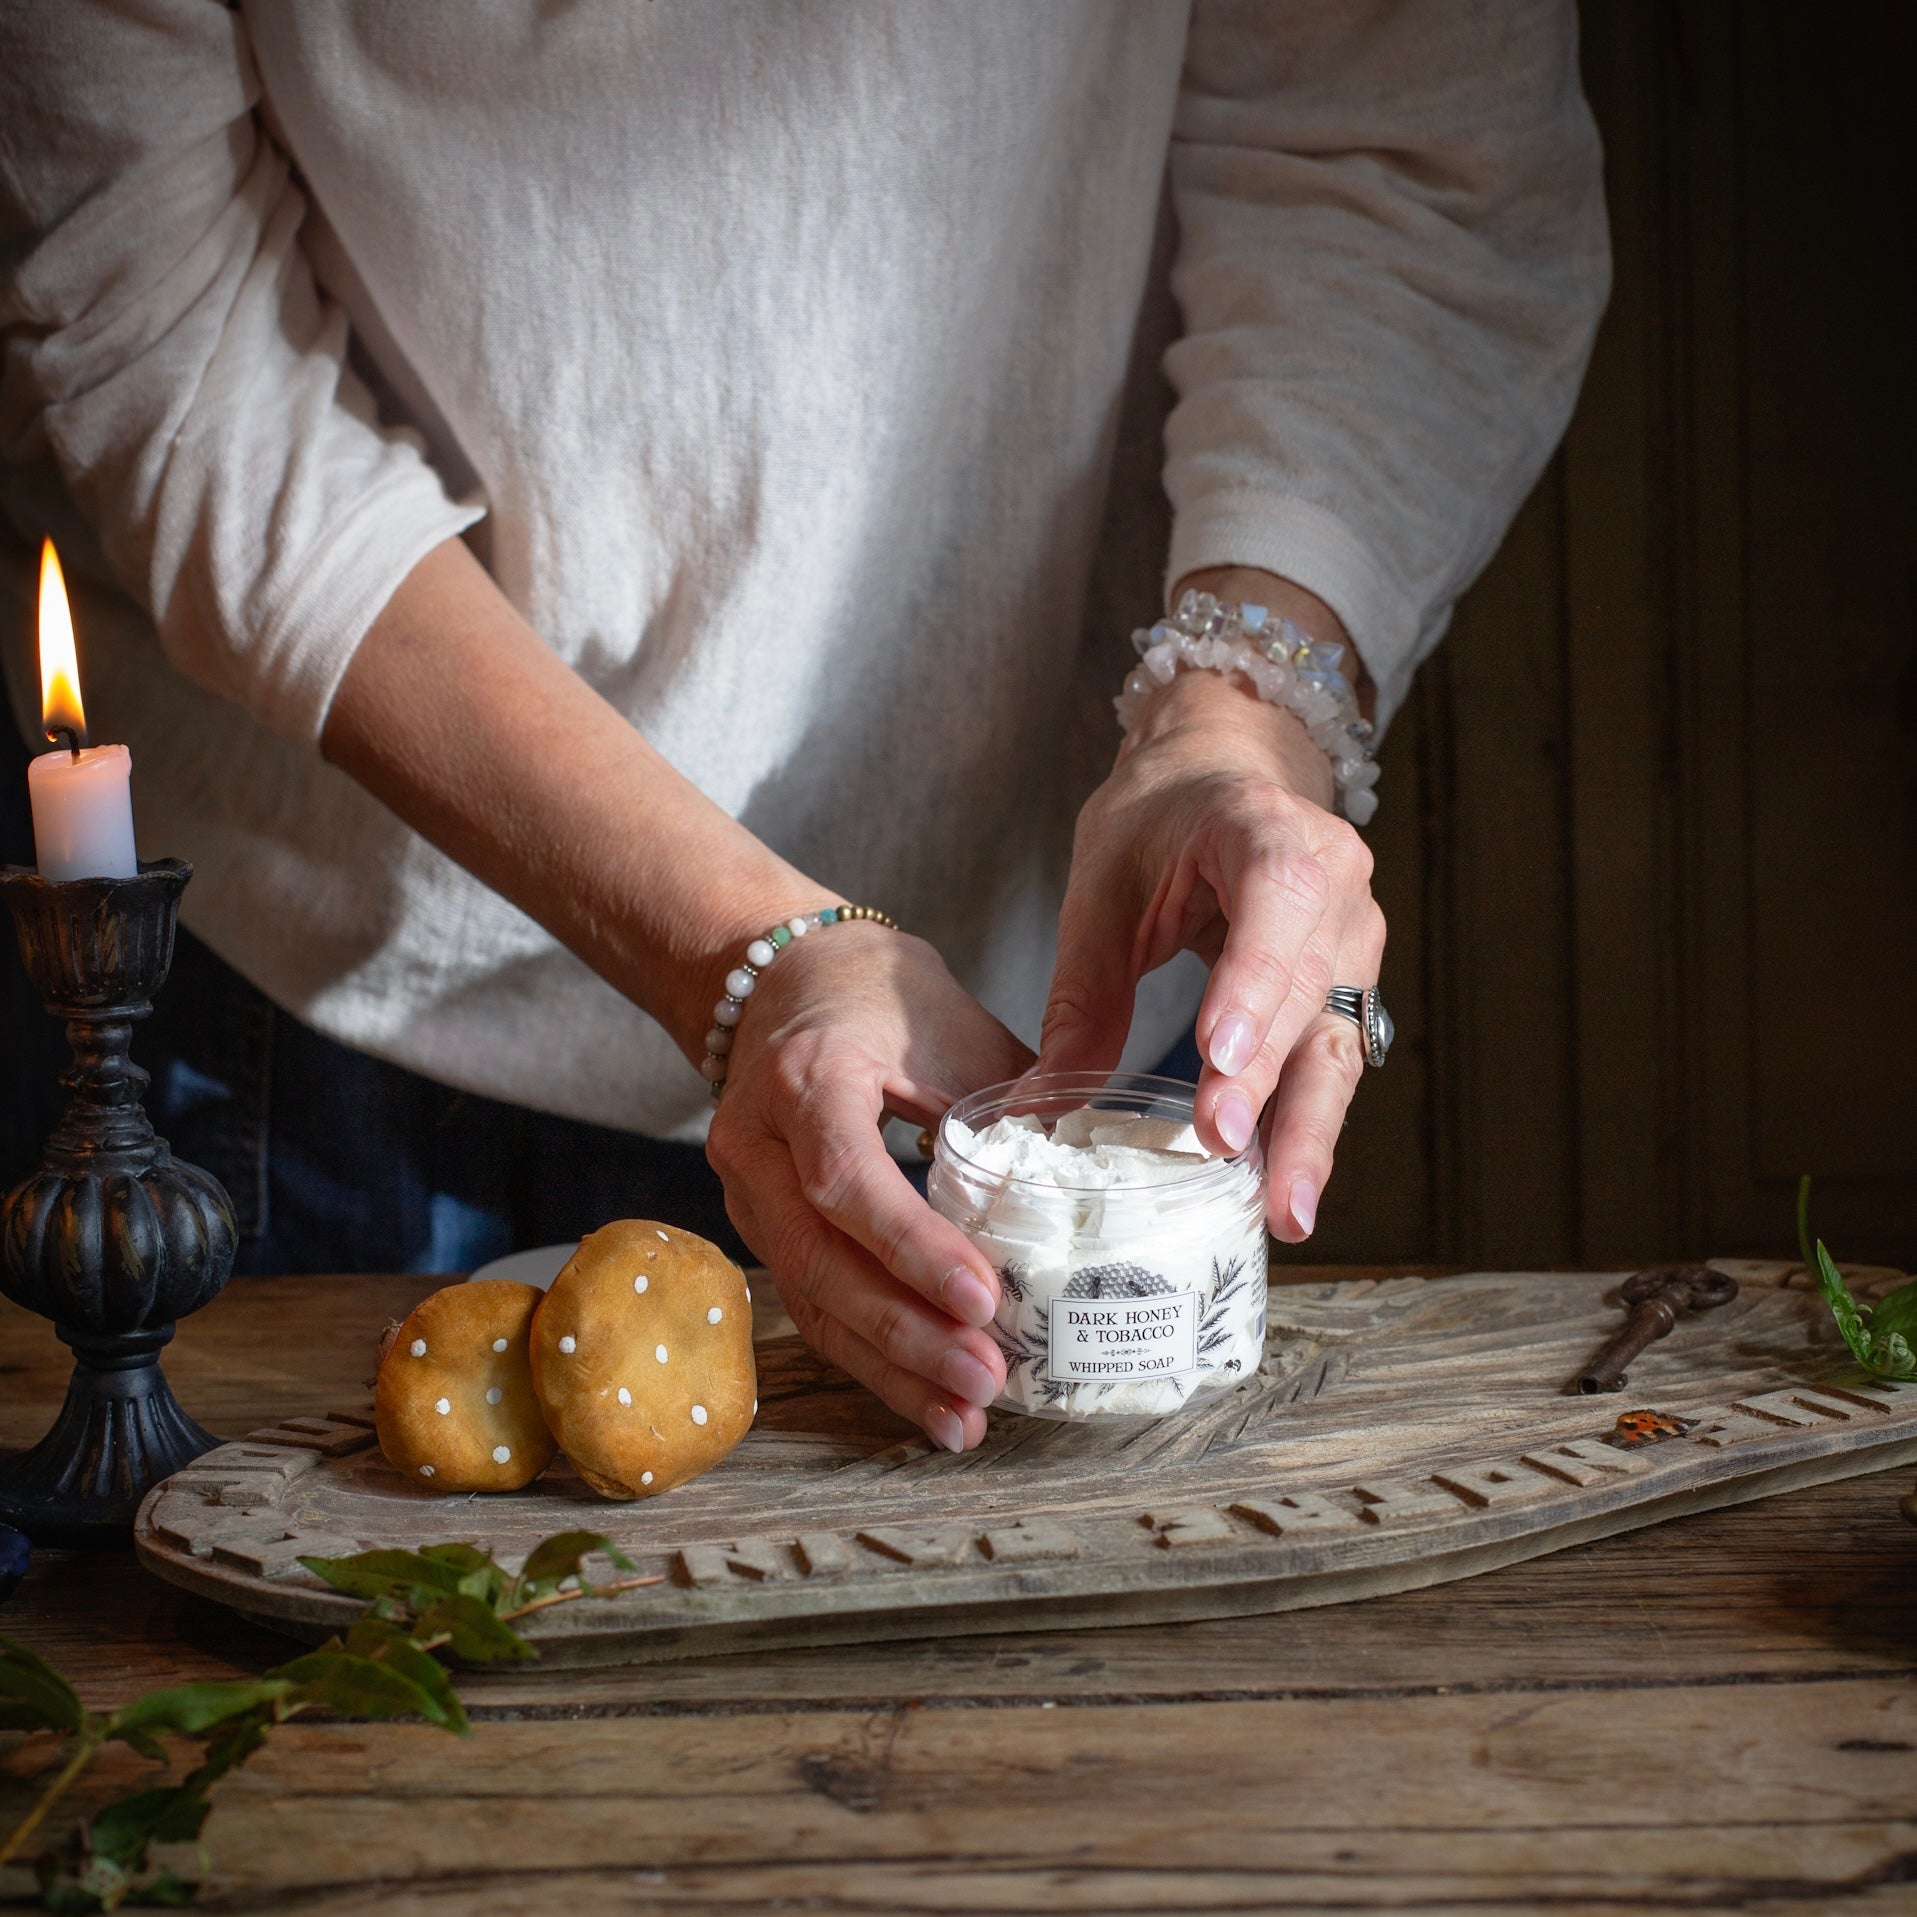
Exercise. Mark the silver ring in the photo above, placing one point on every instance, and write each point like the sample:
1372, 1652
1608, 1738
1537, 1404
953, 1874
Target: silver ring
1365, 1009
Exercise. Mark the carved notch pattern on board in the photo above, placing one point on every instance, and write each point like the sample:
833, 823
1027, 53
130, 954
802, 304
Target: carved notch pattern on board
1585, 1461
935, 1545
1389, 1501
1298, 1514
337, 1435
825, 1554
1496, 1482
244, 1474
223, 1506
1027, 1540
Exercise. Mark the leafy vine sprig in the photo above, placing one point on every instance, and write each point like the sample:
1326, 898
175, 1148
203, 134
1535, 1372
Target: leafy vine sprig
1882, 1337
444, 1600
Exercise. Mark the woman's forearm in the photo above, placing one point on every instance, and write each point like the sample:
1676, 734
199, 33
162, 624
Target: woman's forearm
457, 715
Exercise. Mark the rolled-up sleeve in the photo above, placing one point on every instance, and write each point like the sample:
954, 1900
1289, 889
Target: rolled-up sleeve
1392, 260
167, 350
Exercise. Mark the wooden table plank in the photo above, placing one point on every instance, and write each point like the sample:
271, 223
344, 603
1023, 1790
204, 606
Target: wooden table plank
1715, 1713
1722, 1790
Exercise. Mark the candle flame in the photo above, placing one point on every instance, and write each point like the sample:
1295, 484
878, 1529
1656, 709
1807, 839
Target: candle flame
60, 707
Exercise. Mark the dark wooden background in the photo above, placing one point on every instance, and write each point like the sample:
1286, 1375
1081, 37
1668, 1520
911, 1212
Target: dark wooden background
1649, 839
1649, 836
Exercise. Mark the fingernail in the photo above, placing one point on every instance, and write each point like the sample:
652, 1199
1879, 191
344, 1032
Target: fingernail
1235, 1119
966, 1298
942, 1426
970, 1379
1232, 1043
1304, 1205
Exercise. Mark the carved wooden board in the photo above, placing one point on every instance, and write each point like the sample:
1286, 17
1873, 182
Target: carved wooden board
1399, 1433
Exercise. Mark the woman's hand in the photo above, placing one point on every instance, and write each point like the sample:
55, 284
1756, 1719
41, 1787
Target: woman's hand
849, 1026
1214, 832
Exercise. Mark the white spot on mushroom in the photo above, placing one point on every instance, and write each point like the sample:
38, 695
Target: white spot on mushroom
714, 1315
502, 1454
625, 1396
663, 1239
755, 1407
639, 1283
443, 1406
748, 1290
499, 1344
493, 1394
569, 1343
645, 1477
425, 1470
698, 1414
417, 1347
659, 1352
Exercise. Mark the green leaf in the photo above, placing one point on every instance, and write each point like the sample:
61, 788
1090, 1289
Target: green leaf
189, 1709
387, 1644
479, 1576
1843, 1307
1879, 1338
474, 1633
121, 1833
352, 1686
231, 1744
34, 1696
558, 1558
378, 1574
487, 1586
1895, 1314
462, 1557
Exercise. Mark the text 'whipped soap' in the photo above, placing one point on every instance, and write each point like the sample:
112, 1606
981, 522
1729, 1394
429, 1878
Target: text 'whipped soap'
1131, 1264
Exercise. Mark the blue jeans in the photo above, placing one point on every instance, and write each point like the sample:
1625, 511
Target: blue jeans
340, 1162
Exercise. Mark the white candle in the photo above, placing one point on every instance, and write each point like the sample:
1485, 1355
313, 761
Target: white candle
82, 795
83, 813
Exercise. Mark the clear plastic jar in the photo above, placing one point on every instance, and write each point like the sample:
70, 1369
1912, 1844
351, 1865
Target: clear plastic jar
1129, 1297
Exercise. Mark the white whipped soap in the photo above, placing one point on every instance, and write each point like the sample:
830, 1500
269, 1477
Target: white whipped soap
1131, 1265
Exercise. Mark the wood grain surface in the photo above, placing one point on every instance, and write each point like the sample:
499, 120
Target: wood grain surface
1712, 1714
1399, 1432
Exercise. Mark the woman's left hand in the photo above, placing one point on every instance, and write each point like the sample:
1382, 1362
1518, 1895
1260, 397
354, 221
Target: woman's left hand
1215, 833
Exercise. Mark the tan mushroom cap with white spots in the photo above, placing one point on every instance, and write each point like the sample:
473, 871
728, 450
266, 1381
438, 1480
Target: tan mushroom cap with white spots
642, 1358
454, 1400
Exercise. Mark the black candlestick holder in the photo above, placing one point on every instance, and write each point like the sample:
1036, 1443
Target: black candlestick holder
110, 1236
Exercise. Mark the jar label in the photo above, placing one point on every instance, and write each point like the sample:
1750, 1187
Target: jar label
1103, 1340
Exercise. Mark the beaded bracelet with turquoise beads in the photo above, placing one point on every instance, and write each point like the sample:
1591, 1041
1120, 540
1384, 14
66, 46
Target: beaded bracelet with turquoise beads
745, 975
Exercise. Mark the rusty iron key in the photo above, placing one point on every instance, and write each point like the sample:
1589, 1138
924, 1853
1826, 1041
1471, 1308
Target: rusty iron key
1655, 1298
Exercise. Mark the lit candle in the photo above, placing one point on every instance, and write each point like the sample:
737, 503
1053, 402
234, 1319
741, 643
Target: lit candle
82, 795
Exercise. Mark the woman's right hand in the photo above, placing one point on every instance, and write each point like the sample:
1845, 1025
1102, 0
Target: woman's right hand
850, 1026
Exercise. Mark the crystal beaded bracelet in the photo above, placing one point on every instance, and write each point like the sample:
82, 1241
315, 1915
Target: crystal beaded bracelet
1286, 667
744, 976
